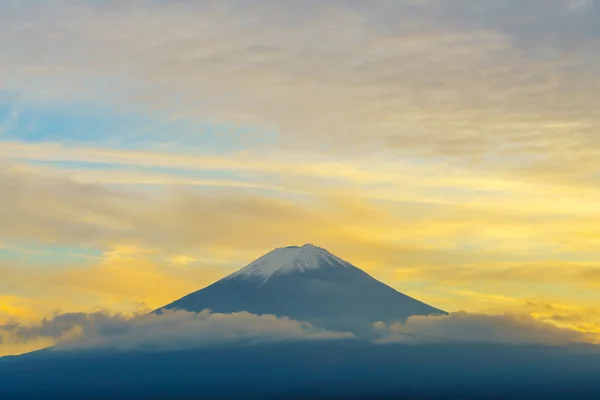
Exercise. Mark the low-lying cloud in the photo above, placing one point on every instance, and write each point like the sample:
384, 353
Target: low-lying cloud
463, 327
175, 330
171, 330
67, 325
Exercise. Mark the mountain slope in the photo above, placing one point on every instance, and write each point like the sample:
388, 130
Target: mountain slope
310, 284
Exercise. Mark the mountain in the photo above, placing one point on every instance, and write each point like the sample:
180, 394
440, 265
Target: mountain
308, 284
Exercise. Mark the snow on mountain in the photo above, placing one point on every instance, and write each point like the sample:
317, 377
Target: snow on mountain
290, 259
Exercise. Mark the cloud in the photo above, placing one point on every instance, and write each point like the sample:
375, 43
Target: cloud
168, 331
48, 208
462, 327
516, 271
445, 78
62, 325
182, 330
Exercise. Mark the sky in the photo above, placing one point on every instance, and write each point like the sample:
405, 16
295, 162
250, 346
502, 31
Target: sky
450, 148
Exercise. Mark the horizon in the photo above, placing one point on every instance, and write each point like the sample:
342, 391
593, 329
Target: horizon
448, 149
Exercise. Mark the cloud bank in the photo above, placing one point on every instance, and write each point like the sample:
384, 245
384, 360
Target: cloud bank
171, 330
176, 330
463, 327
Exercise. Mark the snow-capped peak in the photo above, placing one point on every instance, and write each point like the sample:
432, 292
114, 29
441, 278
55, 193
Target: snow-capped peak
286, 260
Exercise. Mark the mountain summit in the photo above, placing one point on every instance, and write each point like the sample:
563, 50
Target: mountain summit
289, 260
306, 283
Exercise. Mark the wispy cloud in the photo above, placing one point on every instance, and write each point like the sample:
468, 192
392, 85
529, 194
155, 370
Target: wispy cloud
439, 79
